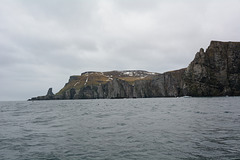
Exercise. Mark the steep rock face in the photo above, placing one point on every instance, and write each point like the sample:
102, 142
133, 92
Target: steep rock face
115, 84
215, 72
174, 82
50, 93
120, 85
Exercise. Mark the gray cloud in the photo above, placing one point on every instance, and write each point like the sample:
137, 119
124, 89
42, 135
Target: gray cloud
43, 42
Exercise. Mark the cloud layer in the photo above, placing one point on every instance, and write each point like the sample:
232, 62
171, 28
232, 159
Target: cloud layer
43, 42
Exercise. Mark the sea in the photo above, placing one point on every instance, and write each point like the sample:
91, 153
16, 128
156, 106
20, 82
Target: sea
121, 129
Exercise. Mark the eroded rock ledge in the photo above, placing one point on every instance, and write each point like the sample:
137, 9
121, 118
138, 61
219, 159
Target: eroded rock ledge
214, 72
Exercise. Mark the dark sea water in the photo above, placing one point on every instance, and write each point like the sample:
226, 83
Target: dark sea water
121, 129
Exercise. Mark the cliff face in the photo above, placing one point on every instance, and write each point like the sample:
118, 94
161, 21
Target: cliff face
116, 84
215, 72
123, 84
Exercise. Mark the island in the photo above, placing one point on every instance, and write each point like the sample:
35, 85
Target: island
214, 72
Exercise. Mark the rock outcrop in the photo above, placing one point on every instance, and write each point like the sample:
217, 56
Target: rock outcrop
215, 72
49, 96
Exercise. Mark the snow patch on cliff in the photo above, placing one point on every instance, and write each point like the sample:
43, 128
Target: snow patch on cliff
75, 84
86, 82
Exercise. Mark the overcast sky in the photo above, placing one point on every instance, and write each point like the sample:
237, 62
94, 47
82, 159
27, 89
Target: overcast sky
43, 42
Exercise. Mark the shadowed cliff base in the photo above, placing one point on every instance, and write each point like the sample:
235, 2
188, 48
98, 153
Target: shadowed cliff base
214, 72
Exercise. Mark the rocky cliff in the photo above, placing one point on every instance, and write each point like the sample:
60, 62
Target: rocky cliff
215, 72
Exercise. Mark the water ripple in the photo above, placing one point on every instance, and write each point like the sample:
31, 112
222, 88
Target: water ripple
157, 128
